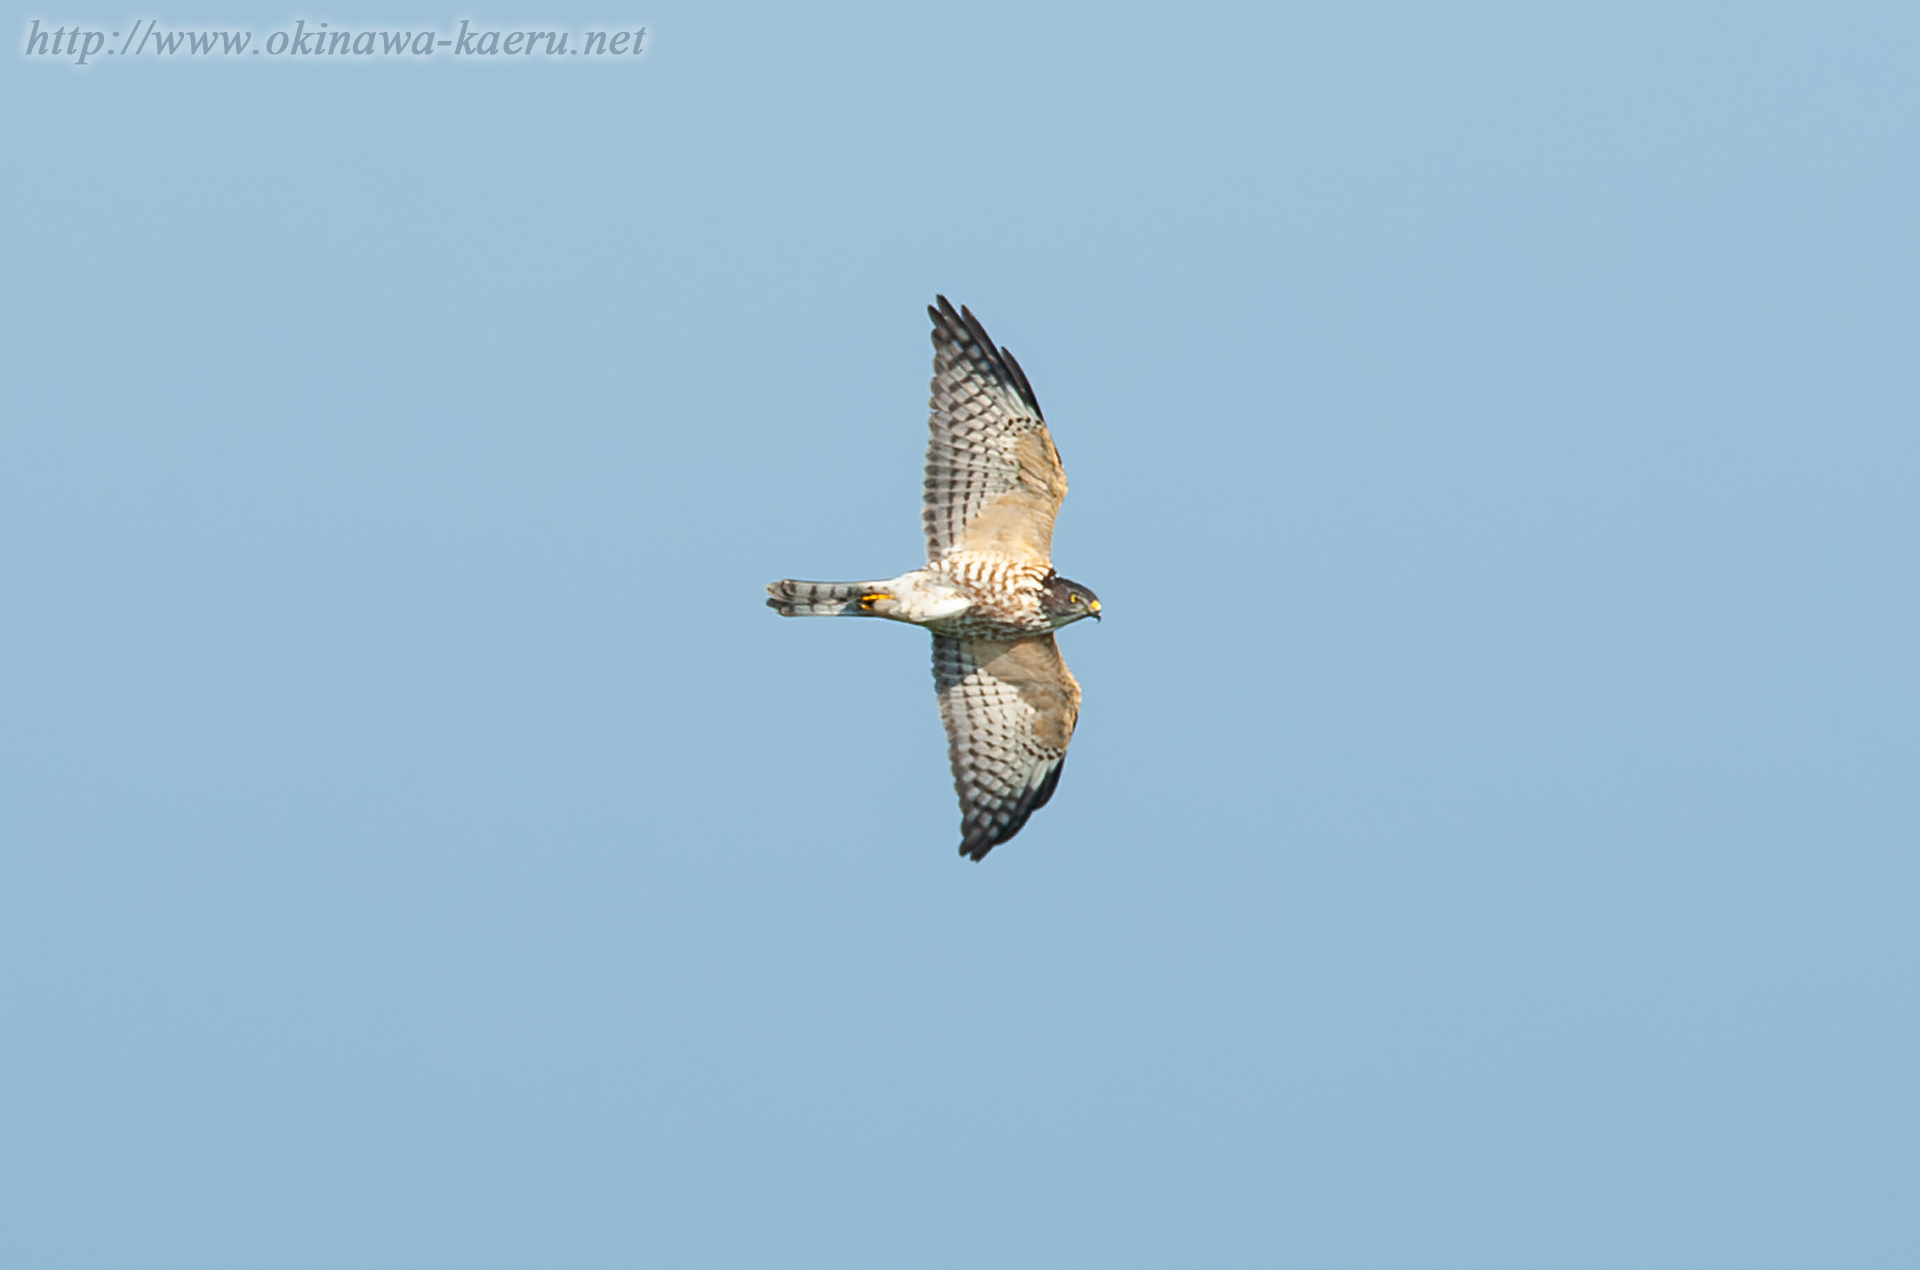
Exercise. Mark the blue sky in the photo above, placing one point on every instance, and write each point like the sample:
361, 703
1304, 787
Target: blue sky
1489, 841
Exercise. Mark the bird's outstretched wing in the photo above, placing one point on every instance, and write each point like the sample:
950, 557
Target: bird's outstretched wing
994, 481
1009, 708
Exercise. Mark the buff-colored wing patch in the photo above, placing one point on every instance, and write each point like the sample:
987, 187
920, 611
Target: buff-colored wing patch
1009, 709
994, 480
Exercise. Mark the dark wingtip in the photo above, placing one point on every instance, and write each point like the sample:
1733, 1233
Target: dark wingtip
945, 318
986, 837
1020, 382
1044, 795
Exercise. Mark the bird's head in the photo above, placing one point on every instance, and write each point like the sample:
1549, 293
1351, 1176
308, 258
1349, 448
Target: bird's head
1067, 601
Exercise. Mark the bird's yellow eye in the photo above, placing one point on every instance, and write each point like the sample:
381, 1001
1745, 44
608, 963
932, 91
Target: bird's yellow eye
1073, 597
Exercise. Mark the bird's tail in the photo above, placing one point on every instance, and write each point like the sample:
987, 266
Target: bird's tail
822, 599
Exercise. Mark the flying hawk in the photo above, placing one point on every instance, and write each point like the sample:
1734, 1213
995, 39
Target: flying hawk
989, 592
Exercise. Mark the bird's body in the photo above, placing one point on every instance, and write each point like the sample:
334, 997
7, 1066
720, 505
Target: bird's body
989, 592
969, 595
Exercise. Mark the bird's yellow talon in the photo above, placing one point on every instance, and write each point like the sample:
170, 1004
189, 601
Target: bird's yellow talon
866, 601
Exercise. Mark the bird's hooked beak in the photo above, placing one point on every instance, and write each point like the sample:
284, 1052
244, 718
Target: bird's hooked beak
1094, 608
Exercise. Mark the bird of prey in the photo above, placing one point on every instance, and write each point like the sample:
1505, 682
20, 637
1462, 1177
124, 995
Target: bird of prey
988, 592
